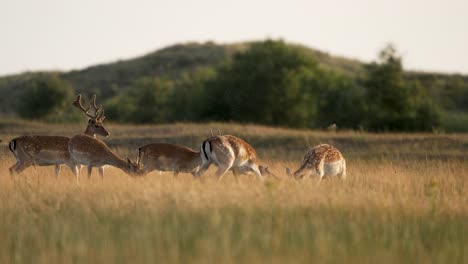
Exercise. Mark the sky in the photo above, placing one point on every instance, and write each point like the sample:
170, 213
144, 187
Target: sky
430, 35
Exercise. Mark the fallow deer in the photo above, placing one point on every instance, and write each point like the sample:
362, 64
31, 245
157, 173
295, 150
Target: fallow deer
323, 160
94, 122
52, 150
168, 157
93, 152
230, 153
88, 150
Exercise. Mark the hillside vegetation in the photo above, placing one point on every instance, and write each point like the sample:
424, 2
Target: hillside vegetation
291, 84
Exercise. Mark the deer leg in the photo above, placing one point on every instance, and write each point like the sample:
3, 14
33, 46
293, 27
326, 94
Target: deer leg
257, 172
90, 169
57, 170
236, 173
76, 171
13, 169
194, 171
101, 172
18, 168
342, 174
176, 172
320, 170
222, 171
203, 168
320, 174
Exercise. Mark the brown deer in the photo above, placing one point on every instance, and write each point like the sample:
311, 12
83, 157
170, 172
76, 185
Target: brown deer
52, 150
230, 153
168, 157
88, 150
93, 152
323, 160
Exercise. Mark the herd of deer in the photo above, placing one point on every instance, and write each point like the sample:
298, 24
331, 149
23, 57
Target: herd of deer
224, 151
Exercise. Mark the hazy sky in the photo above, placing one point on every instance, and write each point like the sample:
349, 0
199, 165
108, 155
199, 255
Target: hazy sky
431, 35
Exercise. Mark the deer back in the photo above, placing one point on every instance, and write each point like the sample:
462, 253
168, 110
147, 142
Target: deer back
33, 147
164, 156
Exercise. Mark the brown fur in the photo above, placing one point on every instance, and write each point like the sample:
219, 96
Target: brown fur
94, 152
40, 151
323, 158
229, 153
168, 157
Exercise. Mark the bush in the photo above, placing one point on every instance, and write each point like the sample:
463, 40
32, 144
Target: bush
145, 102
264, 84
393, 103
44, 97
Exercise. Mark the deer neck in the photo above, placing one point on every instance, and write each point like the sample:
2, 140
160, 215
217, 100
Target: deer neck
89, 132
120, 163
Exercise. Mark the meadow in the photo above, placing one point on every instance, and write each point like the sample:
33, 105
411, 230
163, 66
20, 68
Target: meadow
404, 201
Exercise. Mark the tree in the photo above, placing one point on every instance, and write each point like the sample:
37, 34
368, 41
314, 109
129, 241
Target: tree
394, 103
264, 84
44, 97
145, 102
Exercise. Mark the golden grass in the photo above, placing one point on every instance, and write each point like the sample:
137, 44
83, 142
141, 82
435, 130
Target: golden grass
404, 201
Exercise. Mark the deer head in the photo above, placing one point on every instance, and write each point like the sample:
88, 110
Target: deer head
264, 170
134, 168
95, 126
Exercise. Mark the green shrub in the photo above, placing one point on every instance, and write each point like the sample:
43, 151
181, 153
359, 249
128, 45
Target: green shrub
44, 97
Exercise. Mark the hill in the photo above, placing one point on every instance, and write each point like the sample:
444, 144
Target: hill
176, 62
171, 62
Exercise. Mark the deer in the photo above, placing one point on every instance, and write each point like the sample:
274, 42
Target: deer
93, 152
38, 150
323, 160
230, 153
86, 149
168, 157
94, 122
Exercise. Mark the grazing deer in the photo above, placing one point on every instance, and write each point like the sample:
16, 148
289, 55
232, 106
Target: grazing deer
322, 160
168, 157
230, 153
94, 123
93, 152
88, 150
52, 150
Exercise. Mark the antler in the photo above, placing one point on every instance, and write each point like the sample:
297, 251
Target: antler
77, 103
96, 108
98, 112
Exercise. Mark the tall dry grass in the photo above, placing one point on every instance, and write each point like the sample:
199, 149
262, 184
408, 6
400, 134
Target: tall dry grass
394, 207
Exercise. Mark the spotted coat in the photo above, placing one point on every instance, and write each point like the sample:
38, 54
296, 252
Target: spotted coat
323, 160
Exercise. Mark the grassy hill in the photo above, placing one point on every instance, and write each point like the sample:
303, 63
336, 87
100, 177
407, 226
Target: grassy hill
171, 62
449, 91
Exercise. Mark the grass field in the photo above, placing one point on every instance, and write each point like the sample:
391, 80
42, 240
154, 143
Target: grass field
404, 201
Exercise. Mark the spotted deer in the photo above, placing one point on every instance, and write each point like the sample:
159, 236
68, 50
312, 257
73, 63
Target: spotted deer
323, 160
85, 149
93, 152
230, 153
52, 150
168, 157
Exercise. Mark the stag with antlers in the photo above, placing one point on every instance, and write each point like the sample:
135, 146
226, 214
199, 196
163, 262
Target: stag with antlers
53, 150
89, 150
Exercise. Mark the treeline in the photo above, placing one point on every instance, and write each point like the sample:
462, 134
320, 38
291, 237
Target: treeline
272, 83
